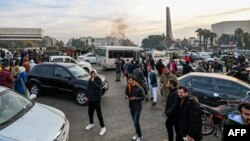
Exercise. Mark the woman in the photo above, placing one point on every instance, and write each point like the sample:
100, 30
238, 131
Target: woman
21, 81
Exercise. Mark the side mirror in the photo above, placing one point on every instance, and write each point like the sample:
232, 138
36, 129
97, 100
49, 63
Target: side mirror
32, 97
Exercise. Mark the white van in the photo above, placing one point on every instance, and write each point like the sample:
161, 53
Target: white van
67, 59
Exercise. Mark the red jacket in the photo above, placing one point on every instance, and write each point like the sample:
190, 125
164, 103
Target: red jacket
6, 78
187, 58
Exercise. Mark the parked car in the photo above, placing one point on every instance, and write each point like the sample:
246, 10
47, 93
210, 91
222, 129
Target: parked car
88, 57
62, 77
24, 120
67, 59
211, 88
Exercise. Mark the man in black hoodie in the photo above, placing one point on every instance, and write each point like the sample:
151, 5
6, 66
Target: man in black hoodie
94, 98
172, 117
135, 94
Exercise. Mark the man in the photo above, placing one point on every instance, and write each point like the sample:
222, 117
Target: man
118, 64
217, 66
152, 84
6, 78
94, 98
135, 94
200, 67
186, 67
165, 77
172, 117
189, 115
241, 118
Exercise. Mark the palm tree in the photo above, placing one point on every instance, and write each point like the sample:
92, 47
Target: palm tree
212, 36
239, 34
206, 34
199, 32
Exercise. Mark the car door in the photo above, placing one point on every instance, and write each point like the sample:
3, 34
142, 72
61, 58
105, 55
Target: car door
229, 90
203, 88
62, 79
92, 58
45, 76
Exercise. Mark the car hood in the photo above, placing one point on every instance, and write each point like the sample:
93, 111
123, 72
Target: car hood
40, 123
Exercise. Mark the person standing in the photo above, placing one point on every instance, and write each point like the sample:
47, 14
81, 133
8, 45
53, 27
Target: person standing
186, 67
200, 67
118, 64
94, 99
21, 82
217, 66
135, 94
6, 78
172, 117
152, 84
165, 77
159, 67
189, 115
32, 64
172, 66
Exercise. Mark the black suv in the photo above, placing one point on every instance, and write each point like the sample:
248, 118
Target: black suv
65, 77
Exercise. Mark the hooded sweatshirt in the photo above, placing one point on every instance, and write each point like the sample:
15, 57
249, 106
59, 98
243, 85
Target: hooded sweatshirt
21, 81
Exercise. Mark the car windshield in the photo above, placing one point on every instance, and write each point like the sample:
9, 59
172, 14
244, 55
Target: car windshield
77, 71
12, 106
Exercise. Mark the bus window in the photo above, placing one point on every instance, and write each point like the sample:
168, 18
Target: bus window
128, 54
115, 54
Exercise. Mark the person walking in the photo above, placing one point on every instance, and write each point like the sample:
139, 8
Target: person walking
118, 64
152, 84
159, 66
172, 66
135, 94
172, 117
189, 115
94, 100
6, 79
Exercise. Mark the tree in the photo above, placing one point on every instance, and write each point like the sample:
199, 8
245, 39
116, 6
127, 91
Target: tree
246, 40
153, 41
92, 40
239, 34
126, 42
206, 34
212, 36
60, 44
200, 33
28, 43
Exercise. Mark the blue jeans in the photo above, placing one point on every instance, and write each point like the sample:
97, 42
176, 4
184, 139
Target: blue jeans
136, 117
118, 75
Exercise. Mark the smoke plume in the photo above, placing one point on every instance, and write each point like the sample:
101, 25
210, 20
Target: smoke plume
119, 28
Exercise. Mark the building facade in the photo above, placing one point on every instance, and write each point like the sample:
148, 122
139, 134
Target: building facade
19, 34
228, 27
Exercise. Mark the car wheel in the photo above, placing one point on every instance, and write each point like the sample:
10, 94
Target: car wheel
81, 97
35, 89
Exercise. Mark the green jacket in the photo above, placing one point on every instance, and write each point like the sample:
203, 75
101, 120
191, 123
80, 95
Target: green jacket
163, 80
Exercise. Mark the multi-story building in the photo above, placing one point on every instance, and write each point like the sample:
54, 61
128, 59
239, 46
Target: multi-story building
19, 34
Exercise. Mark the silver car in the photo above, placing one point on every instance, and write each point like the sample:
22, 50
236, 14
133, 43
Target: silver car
24, 120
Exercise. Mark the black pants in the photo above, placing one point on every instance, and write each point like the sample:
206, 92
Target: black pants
95, 105
170, 123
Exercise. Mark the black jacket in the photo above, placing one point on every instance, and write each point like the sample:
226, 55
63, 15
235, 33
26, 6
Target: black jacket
186, 68
138, 75
139, 93
94, 89
170, 104
190, 122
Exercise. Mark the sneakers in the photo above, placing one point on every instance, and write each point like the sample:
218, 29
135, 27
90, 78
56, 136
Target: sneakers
134, 137
103, 130
139, 139
89, 126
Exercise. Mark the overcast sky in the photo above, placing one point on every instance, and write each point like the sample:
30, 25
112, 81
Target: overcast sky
64, 19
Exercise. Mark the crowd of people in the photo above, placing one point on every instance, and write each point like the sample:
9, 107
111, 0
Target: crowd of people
181, 109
